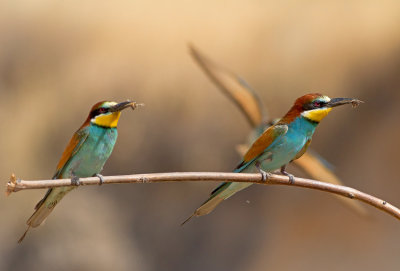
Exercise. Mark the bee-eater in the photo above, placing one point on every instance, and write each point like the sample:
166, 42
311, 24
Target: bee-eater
84, 156
256, 113
281, 143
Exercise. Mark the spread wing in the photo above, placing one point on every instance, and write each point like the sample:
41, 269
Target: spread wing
314, 167
233, 86
72, 148
262, 143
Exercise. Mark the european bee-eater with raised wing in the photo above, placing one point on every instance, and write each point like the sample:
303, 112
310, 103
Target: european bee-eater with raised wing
84, 156
281, 143
247, 100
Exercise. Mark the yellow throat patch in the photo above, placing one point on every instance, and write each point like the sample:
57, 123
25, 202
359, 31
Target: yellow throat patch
108, 120
316, 114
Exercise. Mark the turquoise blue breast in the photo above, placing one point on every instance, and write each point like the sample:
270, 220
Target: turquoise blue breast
93, 153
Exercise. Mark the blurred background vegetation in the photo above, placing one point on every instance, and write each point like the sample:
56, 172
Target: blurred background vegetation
59, 58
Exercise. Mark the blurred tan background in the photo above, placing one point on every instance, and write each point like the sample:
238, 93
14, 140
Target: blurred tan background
57, 59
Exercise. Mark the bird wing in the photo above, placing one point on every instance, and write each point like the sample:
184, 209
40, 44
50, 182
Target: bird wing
303, 150
261, 144
72, 148
314, 166
233, 86
316, 169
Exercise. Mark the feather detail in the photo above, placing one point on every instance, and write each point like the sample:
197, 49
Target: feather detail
40, 215
316, 169
210, 204
205, 208
224, 191
45, 207
23, 235
263, 142
233, 86
72, 148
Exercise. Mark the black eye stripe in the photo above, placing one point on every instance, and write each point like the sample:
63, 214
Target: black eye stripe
314, 105
98, 111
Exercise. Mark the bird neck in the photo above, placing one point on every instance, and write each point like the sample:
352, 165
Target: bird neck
96, 130
301, 125
313, 122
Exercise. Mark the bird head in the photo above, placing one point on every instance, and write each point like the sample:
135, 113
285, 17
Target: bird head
315, 106
106, 114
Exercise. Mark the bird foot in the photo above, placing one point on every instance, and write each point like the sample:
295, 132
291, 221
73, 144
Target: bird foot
264, 175
291, 176
75, 181
101, 177
284, 172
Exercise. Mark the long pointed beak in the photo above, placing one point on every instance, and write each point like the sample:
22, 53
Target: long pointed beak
123, 105
341, 101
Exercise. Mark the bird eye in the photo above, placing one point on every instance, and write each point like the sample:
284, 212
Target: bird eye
317, 104
102, 110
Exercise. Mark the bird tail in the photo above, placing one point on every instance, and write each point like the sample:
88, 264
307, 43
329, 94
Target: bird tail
42, 211
206, 207
222, 192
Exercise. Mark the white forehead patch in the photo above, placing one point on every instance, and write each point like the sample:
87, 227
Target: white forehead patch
324, 98
109, 104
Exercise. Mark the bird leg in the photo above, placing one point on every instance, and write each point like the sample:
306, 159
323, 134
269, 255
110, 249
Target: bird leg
284, 172
75, 180
265, 175
101, 177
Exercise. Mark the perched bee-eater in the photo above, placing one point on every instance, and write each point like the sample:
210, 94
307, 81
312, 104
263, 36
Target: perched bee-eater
281, 143
256, 113
84, 156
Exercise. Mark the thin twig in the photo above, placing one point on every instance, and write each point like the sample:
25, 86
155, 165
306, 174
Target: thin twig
15, 184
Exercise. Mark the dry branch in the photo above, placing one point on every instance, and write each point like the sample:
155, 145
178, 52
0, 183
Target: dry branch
15, 184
